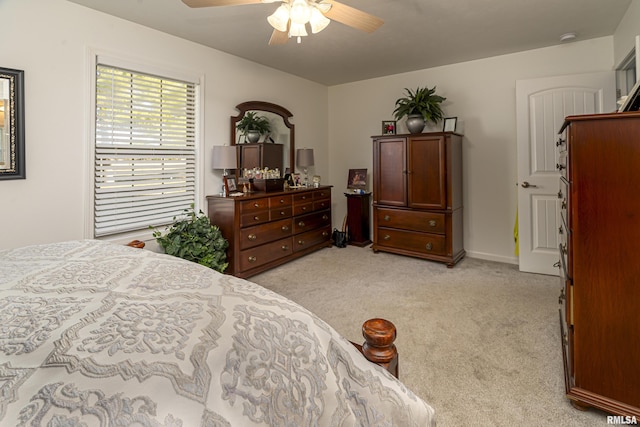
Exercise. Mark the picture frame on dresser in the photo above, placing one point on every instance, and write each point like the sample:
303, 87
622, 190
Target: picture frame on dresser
230, 184
450, 124
388, 127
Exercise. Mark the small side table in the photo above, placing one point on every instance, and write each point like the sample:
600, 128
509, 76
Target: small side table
358, 218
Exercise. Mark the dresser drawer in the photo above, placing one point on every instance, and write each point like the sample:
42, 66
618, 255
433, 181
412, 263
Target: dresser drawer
311, 238
300, 208
254, 218
311, 221
280, 201
429, 222
322, 194
254, 205
420, 243
263, 254
261, 234
301, 198
562, 164
280, 212
321, 204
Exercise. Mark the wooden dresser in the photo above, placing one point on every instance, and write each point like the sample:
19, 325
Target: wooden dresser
417, 195
600, 261
268, 229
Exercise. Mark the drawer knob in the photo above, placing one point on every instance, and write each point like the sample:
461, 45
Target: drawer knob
301, 224
256, 205
252, 259
325, 234
561, 297
429, 246
387, 217
325, 217
560, 194
386, 237
301, 242
252, 237
563, 205
282, 213
304, 208
285, 248
285, 228
257, 218
281, 201
432, 223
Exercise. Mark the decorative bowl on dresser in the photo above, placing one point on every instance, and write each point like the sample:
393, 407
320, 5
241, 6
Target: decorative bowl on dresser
266, 229
417, 196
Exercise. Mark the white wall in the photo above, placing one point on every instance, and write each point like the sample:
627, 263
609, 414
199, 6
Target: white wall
482, 95
50, 40
628, 29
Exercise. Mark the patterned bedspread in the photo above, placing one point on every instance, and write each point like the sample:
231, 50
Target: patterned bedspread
98, 334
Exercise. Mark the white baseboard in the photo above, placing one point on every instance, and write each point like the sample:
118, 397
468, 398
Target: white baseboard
493, 257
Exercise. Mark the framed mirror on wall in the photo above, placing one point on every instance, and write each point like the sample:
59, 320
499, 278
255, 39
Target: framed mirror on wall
279, 142
12, 162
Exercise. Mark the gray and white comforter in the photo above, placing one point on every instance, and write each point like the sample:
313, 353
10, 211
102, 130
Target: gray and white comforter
98, 334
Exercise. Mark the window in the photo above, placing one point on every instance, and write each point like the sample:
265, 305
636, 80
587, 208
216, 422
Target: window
145, 150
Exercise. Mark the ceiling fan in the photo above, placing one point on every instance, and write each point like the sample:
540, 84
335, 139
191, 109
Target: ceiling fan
292, 16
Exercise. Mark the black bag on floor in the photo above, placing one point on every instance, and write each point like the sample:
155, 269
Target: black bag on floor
340, 237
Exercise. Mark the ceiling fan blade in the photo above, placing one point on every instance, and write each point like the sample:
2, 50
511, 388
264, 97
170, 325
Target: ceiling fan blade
209, 3
355, 18
278, 37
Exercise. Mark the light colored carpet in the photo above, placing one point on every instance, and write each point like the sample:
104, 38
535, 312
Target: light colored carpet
479, 342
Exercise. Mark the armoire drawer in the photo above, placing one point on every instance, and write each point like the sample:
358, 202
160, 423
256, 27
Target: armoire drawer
422, 243
428, 222
265, 233
310, 238
260, 255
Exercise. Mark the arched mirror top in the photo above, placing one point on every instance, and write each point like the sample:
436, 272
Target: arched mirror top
282, 130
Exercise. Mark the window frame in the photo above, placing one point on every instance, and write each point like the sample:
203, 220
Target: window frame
143, 67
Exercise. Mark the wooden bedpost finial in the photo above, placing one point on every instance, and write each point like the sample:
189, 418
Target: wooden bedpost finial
379, 335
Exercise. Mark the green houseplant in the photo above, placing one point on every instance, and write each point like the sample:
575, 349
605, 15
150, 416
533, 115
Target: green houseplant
421, 106
194, 238
252, 126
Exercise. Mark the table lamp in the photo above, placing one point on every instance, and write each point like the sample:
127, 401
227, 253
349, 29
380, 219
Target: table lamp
224, 157
305, 159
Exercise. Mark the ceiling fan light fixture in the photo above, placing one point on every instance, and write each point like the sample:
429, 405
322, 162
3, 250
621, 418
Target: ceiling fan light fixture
318, 21
300, 12
280, 18
297, 30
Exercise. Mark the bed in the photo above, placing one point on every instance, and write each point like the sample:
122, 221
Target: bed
98, 334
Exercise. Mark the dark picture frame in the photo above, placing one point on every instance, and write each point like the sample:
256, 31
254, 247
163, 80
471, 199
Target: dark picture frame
12, 154
389, 127
450, 124
230, 184
357, 179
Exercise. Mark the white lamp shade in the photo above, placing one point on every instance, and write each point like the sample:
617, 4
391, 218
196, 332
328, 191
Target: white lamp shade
318, 21
280, 18
305, 157
224, 157
300, 12
297, 30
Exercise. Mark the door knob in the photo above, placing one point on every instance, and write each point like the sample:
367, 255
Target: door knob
525, 184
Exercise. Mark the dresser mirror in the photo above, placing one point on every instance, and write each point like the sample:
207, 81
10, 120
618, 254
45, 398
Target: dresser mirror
282, 131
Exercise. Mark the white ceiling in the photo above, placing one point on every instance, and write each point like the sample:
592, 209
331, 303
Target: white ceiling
416, 34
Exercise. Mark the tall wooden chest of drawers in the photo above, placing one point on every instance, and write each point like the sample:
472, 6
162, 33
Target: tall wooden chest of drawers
417, 196
600, 261
268, 229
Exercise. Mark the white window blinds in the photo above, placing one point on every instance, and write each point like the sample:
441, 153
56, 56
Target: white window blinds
145, 150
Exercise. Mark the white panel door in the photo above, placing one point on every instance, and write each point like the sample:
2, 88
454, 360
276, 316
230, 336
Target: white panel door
541, 106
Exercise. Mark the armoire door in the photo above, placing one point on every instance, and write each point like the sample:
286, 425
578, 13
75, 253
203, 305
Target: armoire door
426, 172
390, 168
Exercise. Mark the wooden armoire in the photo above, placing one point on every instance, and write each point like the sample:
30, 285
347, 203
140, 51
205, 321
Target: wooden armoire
600, 260
417, 196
